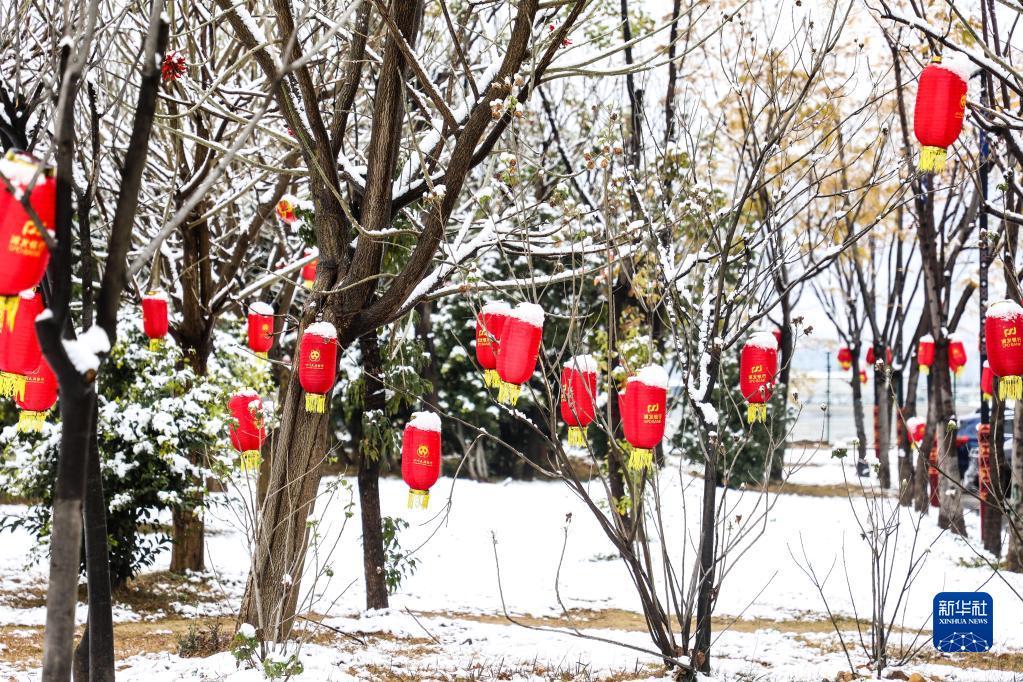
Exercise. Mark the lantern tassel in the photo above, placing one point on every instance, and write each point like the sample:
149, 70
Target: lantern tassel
925, 369
8, 310
932, 160
315, 402
261, 354
155, 345
5, 384
985, 396
491, 379
308, 283
509, 393
640, 459
31, 422
757, 412
576, 437
16, 386
1010, 388
418, 498
249, 461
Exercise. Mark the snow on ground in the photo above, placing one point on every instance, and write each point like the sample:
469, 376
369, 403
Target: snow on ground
523, 527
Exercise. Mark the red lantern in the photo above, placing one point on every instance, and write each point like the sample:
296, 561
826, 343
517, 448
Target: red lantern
777, 335
578, 391
286, 209
261, 328
871, 358
925, 353
1003, 331
248, 429
309, 269
317, 364
23, 353
758, 364
956, 354
420, 457
643, 405
519, 347
154, 318
38, 397
489, 325
917, 428
863, 376
845, 357
23, 253
987, 381
938, 115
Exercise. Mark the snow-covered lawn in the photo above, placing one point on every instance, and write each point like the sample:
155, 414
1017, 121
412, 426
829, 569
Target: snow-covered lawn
447, 621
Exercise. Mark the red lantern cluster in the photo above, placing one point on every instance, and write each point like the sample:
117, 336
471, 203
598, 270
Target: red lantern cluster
1003, 332
37, 398
22, 355
758, 364
519, 348
286, 209
489, 325
261, 328
938, 115
872, 359
956, 354
845, 357
644, 404
578, 393
987, 381
925, 353
317, 364
420, 457
23, 252
248, 429
155, 320
309, 270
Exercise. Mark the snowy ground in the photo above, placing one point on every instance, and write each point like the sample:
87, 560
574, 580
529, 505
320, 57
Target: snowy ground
447, 620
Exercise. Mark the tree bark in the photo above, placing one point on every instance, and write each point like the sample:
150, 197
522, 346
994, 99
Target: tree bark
858, 417
1014, 555
369, 482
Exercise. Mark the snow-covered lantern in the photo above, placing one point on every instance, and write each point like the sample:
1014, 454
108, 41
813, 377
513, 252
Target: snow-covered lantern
309, 269
956, 354
916, 426
37, 398
578, 393
261, 328
286, 209
938, 115
519, 348
758, 364
925, 353
987, 381
248, 428
420, 457
489, 325
845, 357
317, 364
643, 405
1003, 332
872, 358
155, 321
23, 355
23, 252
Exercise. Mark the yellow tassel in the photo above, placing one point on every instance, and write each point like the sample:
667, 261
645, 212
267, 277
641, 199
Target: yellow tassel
249, 461
491, 379
155, 345
260, 354
640, 459
509, 393
315, 402
308, 283
418, 498
30, 421
757, 412
932, 160
17, 386
577, 436
8, 309
5, 384
925, 369
1010, 389
985, 396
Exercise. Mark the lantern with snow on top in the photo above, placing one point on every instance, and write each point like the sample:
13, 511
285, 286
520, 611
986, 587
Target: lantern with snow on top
644, 404
956, 354
489, 325
286, 209
309, 269
261, 328
420, 457
872, 358
925, 353
987, 381
155, 320
758, 364
917, 427
37, 398
23, 355
248, 428
845, 357
1003, 331
317, 364
518, 350
939, 111
578, 392
23, 251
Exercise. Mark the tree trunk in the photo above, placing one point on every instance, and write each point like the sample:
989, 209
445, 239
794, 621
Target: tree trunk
779, 425
950, 499
369, 482
858, 417
704, 603
999, 479
99, 634
883, 423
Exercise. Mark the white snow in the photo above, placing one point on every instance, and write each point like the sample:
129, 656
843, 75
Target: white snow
424, 421
247, 631
587, 364
261, 308
651, 375
764, 340
322, 329
1003, 310
155, 296
95, 339
530, 313
496, 308
20, 171
959, 64
27, 294
246, 393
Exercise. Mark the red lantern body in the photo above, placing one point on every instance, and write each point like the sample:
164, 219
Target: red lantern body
519, 347
956, 355
23, 355
1003, 331
489, 325
578, 392
248, 430
23, 253
317, 364
309, 270
758, 364
925, 353
916, 427
420, 456
845, 357
872, 359
863, 376
155, 321
286, 209
644, 405
261, 328
987, 381
39, 395
938, 115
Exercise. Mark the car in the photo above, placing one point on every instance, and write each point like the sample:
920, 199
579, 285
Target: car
968, 448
